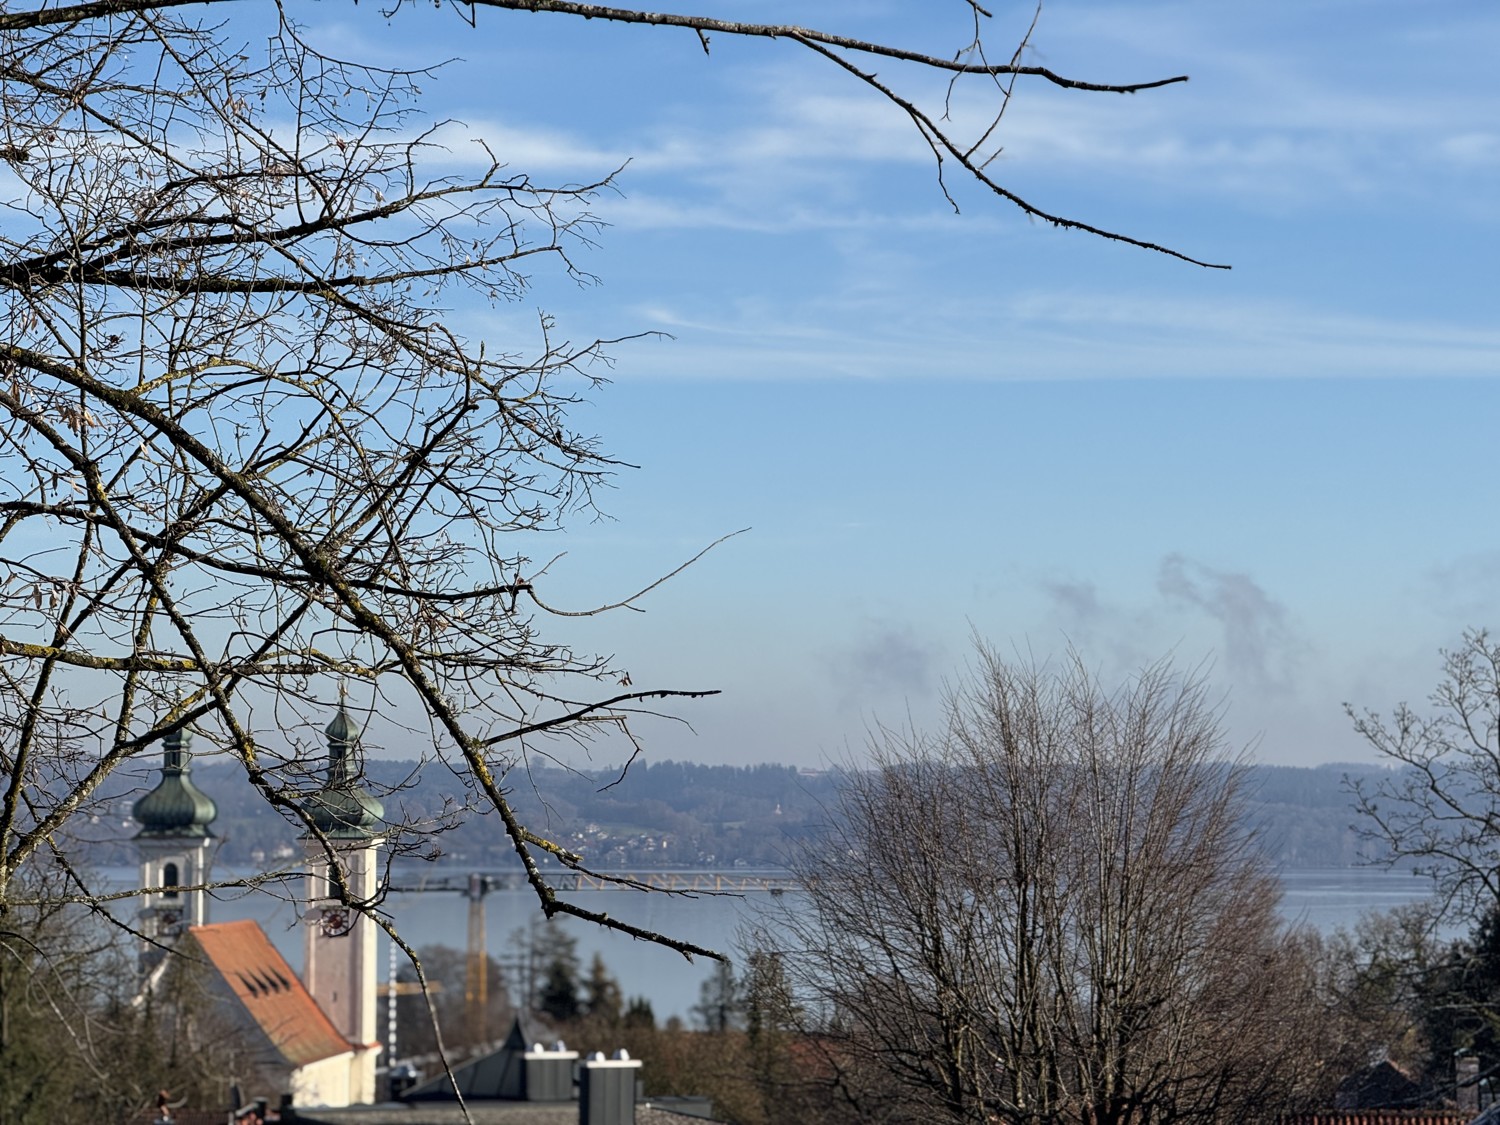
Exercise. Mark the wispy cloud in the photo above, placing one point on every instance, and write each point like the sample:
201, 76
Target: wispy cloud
1123, 638
1266, 120
1261, 649
887, 663
1271, 116
1225, 625
877, 333
526, 148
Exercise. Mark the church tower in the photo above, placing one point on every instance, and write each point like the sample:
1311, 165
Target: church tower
340, 967
173, 845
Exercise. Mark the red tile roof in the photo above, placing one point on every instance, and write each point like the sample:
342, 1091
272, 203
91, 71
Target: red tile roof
264, 983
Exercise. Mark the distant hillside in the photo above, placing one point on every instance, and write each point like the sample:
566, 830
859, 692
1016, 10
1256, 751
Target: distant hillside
679, 814
1305, 818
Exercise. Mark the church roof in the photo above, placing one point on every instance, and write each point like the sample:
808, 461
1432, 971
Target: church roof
176, 808
343, 809
262, 981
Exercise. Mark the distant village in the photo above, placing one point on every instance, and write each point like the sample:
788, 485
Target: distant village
682, 815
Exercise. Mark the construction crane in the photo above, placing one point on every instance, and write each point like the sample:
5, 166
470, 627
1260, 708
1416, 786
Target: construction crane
476, 971
476, 979
476, 885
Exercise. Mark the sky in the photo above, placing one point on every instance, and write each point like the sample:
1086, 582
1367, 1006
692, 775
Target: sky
937, 426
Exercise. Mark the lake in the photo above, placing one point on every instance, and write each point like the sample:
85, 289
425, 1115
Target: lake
1325, 898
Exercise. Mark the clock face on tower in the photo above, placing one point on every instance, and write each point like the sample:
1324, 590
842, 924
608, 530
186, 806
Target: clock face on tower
335, 921
168, 921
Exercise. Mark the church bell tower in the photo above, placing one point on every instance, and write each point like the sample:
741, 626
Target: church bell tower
173, 845
340, 942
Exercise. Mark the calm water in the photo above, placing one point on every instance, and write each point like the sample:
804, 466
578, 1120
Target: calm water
1328, 898
664, 977
1325, 898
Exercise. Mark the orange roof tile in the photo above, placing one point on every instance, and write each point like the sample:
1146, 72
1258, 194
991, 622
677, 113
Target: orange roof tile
264, 983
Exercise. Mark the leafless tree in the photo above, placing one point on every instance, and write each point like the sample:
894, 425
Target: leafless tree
1383, 982
446, 970
249, 455
1440, 806
77, 1045
1049, 911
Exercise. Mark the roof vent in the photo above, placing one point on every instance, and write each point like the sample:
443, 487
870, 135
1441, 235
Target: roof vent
606, 1090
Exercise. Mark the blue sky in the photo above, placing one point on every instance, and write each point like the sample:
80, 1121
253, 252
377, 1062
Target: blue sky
937, 425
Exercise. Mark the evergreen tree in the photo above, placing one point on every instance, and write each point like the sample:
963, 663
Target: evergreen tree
771, 1019
601, 994
1458, 1002
769, 1007
559, 995
638, 1014
720, 1005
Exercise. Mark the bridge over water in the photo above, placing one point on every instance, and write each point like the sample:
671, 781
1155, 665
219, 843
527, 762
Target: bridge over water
475, 885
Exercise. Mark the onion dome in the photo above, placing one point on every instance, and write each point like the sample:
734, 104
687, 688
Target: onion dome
176, 807
343, 809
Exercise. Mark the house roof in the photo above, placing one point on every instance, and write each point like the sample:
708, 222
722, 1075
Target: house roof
262, 981
499, 1074
1381, 1086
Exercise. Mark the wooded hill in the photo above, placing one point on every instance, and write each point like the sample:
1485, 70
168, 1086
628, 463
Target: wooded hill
685, 815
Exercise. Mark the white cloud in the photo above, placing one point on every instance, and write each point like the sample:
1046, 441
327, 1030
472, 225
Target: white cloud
525, 148
1477, 148
1274, 116
1282, 105
1058, 335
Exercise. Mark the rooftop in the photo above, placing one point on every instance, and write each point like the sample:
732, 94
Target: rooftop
264, 983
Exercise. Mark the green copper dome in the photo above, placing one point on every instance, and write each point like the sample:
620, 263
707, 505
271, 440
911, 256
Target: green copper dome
176, 807
343, 809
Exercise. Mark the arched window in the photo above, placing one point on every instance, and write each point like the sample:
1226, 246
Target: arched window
170, 880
